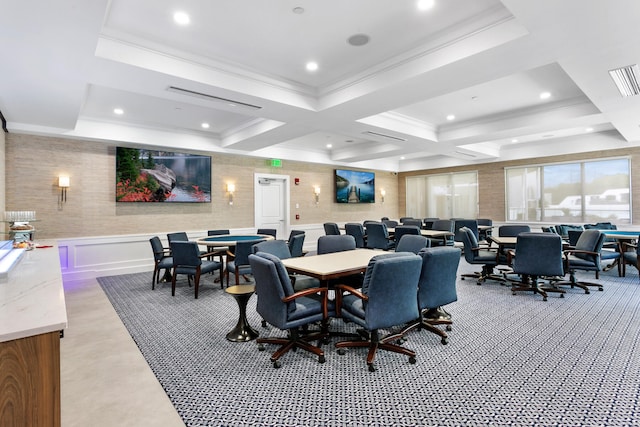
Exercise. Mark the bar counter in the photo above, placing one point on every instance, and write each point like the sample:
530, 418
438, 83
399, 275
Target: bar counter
32, 314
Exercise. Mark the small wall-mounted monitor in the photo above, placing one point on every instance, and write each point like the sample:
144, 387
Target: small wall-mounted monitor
355, 186
162, 176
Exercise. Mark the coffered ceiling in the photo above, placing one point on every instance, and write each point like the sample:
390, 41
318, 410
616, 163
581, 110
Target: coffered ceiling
389, 77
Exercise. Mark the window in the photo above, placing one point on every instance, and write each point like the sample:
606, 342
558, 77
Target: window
593, 191
443, 196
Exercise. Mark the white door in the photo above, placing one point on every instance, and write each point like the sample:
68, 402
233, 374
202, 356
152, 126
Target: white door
271, 203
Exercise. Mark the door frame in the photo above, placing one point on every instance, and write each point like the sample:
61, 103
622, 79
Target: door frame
286, 197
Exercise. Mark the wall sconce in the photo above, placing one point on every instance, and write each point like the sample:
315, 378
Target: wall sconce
231, 188
316, 192
382, 193
63, 183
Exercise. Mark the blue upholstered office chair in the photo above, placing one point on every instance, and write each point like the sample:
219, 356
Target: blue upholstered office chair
412, 243
378, 236
329, 244
180, 236
401, 230
512, 230
584, 256
280, 248
487, 257
344, 242
405, 218
485, 232
471, 224
188, 260
217, 251
268, 231
630, 254
331, 229
356, 230
412, 221
286, 309
387, 300
296, 244
162, 260
442, 225
428, 222
390, 223
537, 255
437, 288
238, 261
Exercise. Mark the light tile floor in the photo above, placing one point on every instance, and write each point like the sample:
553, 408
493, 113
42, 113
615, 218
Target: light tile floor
105, 381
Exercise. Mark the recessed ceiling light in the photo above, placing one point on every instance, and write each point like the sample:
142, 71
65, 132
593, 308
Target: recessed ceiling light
545, 95
181, 18
329, 145
205, 125
588, 130
514, 140
312, 66
451, 117
402, 157
425, 4
298, 10
118, 111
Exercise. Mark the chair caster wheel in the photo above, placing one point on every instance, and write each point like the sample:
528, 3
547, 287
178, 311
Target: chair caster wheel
276, 364
260, 347
341, 351
448, 327
544, 298
412, 360
372, 368
325, 340
444, 341
561, 295
321, 359
264, 323
587, 292
600, 289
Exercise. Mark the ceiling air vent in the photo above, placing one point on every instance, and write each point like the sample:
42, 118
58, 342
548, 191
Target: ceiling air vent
395, 138
626, 79
211, 97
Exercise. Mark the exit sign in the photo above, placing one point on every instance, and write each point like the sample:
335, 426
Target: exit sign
275, 163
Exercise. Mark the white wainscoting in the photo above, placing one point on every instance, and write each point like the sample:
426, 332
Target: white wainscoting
90, 257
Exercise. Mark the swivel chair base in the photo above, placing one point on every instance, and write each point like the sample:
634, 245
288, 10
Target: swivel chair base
530, 283
293, 341
580, 284
386, 343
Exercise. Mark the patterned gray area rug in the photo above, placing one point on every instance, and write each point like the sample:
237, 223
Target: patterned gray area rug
511, 360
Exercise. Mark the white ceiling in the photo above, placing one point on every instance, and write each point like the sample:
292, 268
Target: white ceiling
67, 64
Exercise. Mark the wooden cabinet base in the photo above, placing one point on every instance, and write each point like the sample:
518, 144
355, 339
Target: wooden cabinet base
30, 381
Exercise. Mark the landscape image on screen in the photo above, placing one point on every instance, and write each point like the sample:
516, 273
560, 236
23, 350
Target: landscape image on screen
162, 176
355, 186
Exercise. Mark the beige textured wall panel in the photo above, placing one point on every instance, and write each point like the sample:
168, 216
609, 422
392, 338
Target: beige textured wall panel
34, 163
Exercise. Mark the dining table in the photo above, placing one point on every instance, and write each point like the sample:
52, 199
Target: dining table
326, 267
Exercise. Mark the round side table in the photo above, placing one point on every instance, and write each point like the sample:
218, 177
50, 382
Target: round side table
242, 331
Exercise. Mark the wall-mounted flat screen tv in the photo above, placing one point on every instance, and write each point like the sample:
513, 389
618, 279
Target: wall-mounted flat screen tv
355, 186
162, 176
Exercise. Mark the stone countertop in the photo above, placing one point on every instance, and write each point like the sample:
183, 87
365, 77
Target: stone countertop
32, 299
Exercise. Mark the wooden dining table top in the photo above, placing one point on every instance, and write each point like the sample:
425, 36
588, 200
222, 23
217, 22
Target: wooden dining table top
332, 265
